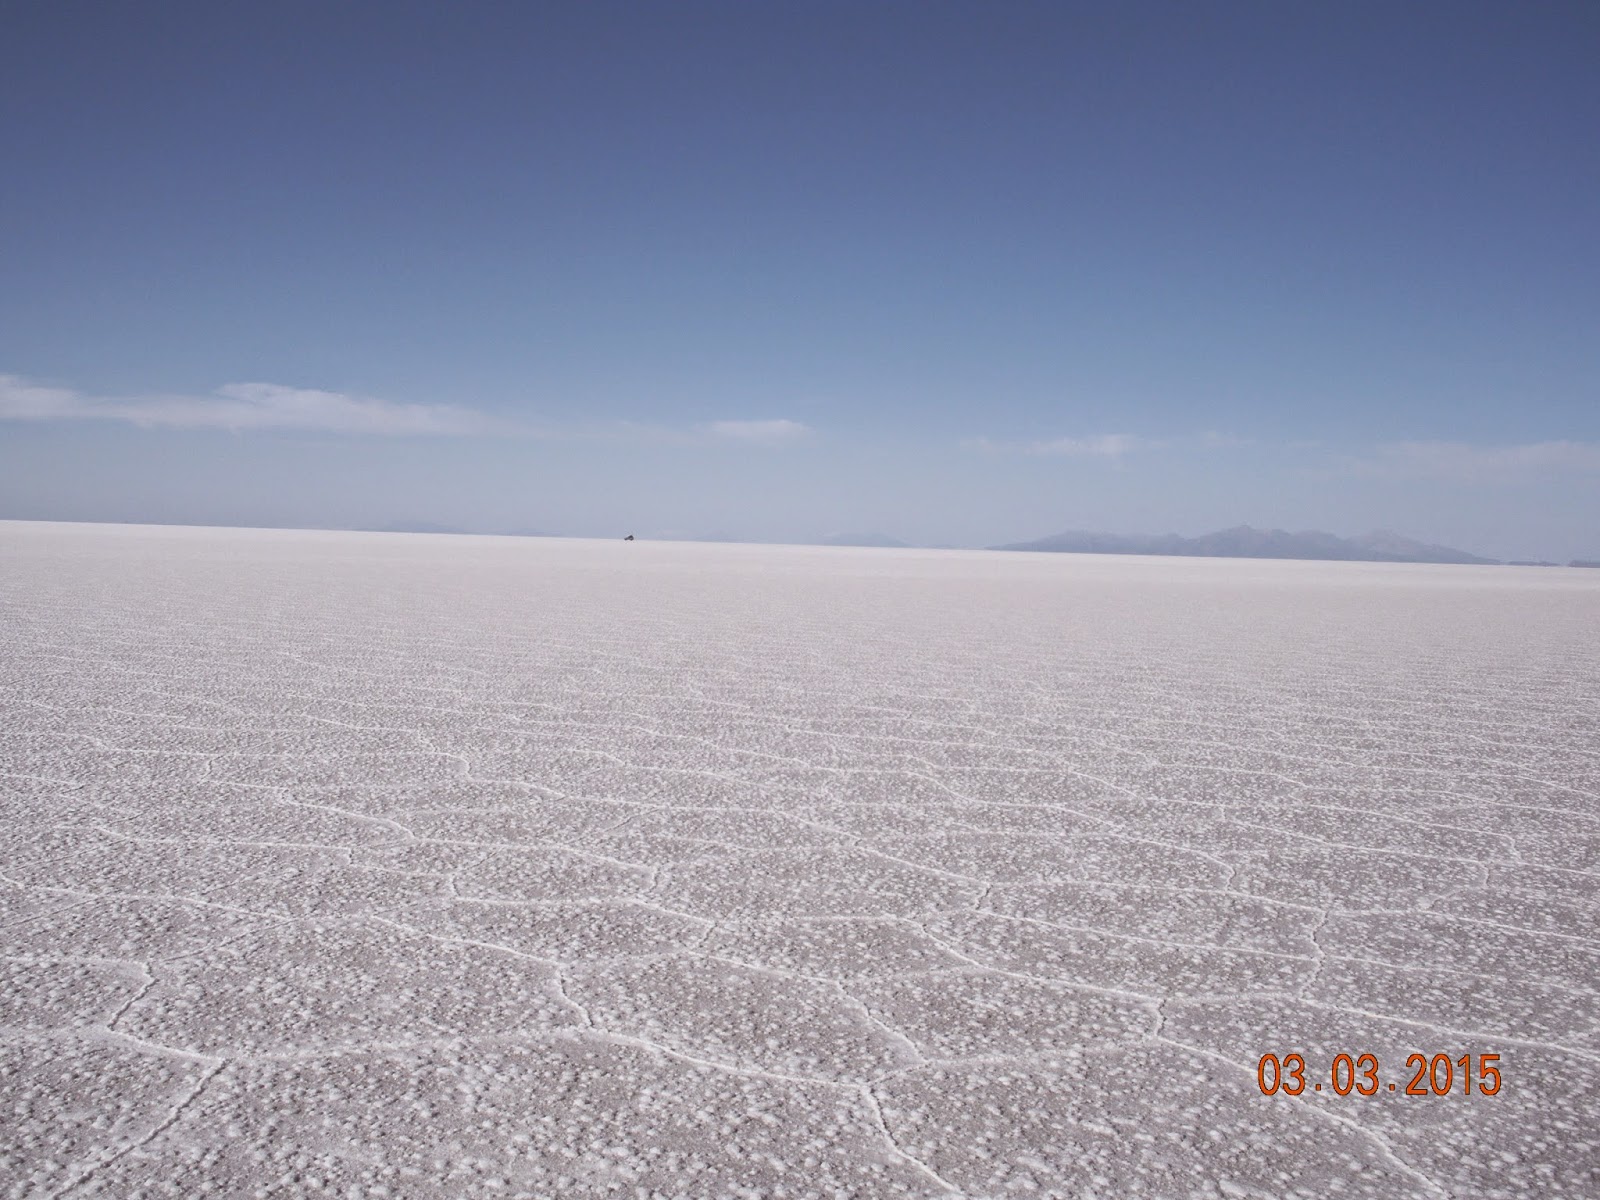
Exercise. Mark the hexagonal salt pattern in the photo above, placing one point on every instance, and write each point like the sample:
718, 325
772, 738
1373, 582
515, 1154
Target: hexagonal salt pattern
399, 865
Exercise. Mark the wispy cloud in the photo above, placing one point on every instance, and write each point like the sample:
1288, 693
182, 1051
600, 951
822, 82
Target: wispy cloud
1108, 445
767, 433
1103, 445
243, 406
1461, 460
774, 432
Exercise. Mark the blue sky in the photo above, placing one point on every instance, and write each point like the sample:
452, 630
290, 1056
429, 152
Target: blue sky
961, 273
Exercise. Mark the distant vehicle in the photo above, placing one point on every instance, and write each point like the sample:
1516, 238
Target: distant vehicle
629, 538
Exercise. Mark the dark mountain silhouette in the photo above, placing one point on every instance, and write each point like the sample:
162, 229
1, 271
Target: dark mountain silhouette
1243, 541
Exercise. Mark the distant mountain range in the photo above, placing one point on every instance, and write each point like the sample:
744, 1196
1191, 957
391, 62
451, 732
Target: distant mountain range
1243, 541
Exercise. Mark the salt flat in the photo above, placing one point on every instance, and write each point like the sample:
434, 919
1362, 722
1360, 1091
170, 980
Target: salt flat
408, 865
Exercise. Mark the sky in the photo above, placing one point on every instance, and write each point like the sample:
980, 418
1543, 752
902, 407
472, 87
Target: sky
960, 273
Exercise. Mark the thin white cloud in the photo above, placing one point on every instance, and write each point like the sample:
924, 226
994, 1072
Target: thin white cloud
1461, 460
766, 433
242, 406
1109, 445
1105, 445
24, 401
755, 433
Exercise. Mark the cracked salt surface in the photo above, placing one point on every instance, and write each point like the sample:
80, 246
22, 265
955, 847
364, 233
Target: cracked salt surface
399, 865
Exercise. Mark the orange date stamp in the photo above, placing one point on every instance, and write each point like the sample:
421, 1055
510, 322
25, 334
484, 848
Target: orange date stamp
1439, 1075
